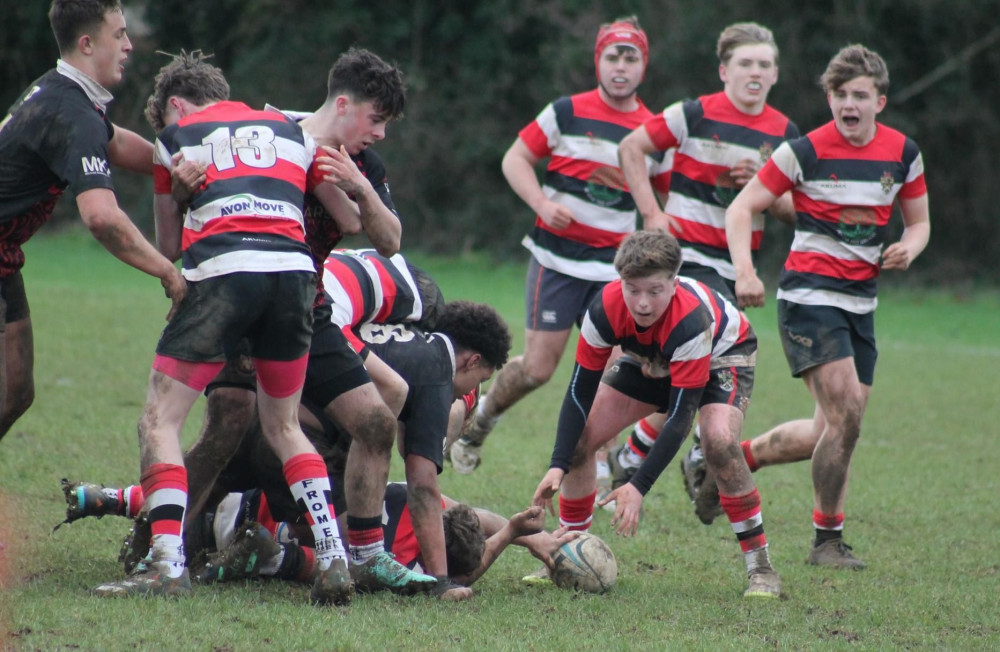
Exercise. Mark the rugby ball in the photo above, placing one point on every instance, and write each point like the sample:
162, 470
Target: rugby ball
585, 564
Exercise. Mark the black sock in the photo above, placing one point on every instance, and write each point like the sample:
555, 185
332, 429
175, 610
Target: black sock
822, 536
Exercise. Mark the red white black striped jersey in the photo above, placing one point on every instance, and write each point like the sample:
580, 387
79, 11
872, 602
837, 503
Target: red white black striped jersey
843, 198
580, 135
248, 215
363, 287
698, 326
397, 525
711, 136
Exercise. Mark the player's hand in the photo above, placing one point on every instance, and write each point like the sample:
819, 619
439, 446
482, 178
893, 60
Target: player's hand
555, 215
896, 256
340, 170
662, 221
457, 593
742, 172
749, 291
186, 178
548, 488
175, 287
628, 502
528, 521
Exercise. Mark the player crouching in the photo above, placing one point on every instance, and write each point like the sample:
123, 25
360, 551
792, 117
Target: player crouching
687, 350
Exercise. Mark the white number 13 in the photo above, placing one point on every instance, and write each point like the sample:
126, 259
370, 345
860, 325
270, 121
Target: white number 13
253, 145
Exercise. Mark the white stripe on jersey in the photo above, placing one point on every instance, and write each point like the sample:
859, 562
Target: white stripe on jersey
590, 270
341, 308
592, 215
818, 297
549, 125
250, 260
242, 205
696, 348
582, 148
673, 115
710, 152
722, 267
590, 334
848, 193
808, 242
731, 334
418, 306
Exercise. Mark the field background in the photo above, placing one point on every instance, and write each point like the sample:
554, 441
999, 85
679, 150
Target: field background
921, 510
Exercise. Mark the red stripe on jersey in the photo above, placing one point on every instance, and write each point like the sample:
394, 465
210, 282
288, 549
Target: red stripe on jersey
774, 179
585, 170
262, 225
699, 171
282, 169
588, 235
699, 233
659, 133
913, 189
589, 356
536, 140
388, 291
353, 339
161, 180
814, 263
837, 213
315, 176
351, 286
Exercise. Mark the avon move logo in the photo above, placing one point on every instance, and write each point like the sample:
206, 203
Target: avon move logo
244, 204
95, 165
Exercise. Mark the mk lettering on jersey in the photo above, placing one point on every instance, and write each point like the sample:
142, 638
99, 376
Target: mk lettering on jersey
95, 165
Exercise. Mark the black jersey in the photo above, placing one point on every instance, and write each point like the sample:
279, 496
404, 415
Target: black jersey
427, 363
53, 137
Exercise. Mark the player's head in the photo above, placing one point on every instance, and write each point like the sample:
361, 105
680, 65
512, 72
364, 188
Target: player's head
91, 34
431, 297
367, 93
481, 338
188, 77
856, 82
464, 540
648, 262
748, 64
621, 53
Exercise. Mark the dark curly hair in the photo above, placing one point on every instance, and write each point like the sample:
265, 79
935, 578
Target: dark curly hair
188, 75
464, 540
365, 77
476, 327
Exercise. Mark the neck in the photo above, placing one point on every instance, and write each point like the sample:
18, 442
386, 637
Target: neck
321, 125
755, 108
625, 105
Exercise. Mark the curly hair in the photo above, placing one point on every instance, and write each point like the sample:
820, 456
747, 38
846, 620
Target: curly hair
71, 19
190, 76
365, 77
476, 327
464, 540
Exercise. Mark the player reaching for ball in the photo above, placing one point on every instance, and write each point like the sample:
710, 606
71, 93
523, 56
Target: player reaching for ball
687, 350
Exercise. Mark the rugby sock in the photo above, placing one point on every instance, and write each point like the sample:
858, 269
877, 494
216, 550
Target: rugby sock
364, 537
310, 486
639, 442
748, 455
748, 524
165, 488
133, 498
827, 527
576, 513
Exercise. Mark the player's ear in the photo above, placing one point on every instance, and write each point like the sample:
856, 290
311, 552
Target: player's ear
474, 360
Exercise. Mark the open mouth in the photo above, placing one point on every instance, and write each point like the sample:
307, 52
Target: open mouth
851, 120
754, 86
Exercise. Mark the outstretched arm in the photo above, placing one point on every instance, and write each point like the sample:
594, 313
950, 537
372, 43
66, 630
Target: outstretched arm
520, 525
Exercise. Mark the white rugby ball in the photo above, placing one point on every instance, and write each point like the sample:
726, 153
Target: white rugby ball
585, 564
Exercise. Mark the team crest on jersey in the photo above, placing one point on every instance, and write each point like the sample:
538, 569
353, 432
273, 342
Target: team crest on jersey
725, 188
766, 149
606, 186
726, 380
857, 225
887, 181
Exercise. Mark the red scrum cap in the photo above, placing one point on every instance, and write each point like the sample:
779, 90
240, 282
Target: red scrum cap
625, 34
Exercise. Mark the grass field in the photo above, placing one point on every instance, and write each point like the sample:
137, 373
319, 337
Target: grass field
921, 510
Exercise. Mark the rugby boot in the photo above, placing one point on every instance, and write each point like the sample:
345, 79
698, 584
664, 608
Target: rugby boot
620, 474
136, 544
706, 504
764, 583
151, 582
834, 553
693, 470
383, 573
252, 546
85, 499
465, 456
333, 585
539, 577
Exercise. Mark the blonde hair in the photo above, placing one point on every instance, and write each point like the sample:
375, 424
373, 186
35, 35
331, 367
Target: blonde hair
739, 34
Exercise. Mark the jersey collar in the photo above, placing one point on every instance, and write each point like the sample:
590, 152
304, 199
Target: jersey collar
97, 93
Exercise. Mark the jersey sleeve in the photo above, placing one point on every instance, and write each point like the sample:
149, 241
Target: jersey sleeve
914, 184
162, 165
597, 337
669, 128
426, 421
542, 134
374, 170
76, 149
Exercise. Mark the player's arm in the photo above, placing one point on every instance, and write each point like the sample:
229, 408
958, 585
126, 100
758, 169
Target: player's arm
169, 222
379, 222
112, 228
345, 213
632, 152
130, 151
523, 524
518, 168
916, 234
754, 198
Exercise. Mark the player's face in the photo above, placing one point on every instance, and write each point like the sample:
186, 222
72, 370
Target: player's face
855, 105
749, 76
647, 297
619, 71
362, 125
471, 377
110, 47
